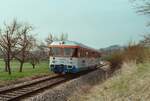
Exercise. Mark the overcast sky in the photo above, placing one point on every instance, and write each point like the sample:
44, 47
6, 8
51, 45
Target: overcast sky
97, 23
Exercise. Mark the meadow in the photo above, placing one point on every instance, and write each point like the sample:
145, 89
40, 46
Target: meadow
28, 71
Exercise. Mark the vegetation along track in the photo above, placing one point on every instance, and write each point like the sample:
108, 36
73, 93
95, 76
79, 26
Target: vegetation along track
20, 91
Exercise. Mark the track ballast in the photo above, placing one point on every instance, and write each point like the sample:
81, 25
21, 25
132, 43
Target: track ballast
21, 91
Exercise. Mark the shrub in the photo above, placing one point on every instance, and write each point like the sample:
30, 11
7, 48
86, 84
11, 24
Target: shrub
115, 59
134, 52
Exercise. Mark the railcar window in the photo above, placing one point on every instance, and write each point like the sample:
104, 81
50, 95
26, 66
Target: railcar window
56, 51
69, 51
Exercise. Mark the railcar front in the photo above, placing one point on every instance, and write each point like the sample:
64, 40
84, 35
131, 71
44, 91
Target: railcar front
63, 59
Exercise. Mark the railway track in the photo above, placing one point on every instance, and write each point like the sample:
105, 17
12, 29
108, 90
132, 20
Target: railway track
18, 92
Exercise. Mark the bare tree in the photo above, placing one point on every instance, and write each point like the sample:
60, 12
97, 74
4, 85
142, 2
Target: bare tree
145, 41
26, 43
43, 51
33, 58
63, 37
49, 39
9, 37
142, 6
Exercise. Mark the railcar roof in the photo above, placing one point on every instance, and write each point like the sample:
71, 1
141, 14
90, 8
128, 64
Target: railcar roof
71, 43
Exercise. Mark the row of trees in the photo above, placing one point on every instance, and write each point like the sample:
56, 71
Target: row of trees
18, 42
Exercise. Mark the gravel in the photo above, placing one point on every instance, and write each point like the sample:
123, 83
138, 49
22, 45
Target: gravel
65, 90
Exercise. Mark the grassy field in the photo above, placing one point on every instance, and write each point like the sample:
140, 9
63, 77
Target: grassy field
28, 71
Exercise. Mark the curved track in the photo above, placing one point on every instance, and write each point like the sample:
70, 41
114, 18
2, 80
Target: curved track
15, 93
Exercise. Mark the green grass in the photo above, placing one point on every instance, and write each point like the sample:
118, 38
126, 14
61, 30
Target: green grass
28, 71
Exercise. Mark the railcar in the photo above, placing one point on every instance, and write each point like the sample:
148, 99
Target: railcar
72, 57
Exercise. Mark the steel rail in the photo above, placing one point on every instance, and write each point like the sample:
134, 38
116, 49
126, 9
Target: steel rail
16, 92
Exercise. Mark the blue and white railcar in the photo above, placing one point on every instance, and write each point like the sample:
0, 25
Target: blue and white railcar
72, 57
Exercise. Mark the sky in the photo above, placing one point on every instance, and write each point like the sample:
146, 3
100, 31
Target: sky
96, 23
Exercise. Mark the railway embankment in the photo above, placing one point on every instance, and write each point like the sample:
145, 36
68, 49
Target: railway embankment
67, 89
130, 83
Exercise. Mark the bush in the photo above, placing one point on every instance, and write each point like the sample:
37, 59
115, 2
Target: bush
136, 53
116, 60
133, 52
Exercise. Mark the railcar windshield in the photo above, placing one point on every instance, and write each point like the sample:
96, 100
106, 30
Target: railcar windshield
70, 52
56, 51
66, 52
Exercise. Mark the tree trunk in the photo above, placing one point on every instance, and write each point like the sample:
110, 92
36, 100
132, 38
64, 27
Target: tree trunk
33, 66
8, 61
21, 66
8, 66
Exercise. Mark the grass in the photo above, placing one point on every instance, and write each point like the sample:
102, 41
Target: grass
131, 83
28, 71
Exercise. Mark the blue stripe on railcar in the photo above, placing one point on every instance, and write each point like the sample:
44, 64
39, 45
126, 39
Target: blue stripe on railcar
64, 69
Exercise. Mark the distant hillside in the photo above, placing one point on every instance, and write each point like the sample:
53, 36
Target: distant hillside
109, 50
